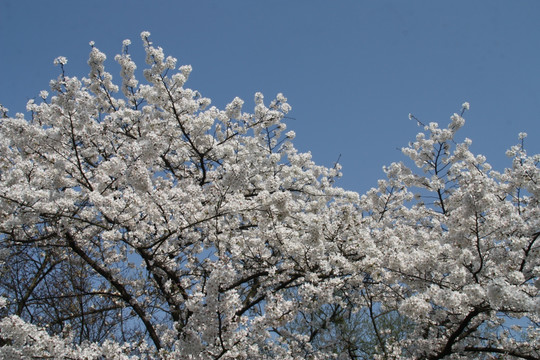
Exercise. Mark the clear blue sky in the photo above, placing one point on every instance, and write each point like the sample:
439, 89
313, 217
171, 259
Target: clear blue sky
352, 70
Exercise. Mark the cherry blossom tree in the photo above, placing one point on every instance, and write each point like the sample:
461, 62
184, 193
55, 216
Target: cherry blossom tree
459, 246
137, 220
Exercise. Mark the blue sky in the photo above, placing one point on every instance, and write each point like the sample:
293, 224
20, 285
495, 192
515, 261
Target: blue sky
352, 70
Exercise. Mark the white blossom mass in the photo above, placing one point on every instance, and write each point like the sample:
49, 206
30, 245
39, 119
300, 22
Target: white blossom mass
137, 221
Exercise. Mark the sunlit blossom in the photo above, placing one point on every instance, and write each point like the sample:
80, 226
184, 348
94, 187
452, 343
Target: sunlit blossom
139, 222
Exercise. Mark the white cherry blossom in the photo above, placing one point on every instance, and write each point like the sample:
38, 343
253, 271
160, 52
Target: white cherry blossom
139, 221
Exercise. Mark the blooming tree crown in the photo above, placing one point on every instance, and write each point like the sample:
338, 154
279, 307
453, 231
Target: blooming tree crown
143, 219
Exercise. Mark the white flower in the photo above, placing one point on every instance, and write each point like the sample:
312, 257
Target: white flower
61, 60
522, 135
259, 98
281, 97
234, 109
465, 106
457, 122
185, 70
126, 42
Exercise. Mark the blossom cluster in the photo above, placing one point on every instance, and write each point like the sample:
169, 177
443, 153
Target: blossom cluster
139, 221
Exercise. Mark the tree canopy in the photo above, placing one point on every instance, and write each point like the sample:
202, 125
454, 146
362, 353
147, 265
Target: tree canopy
137, 220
